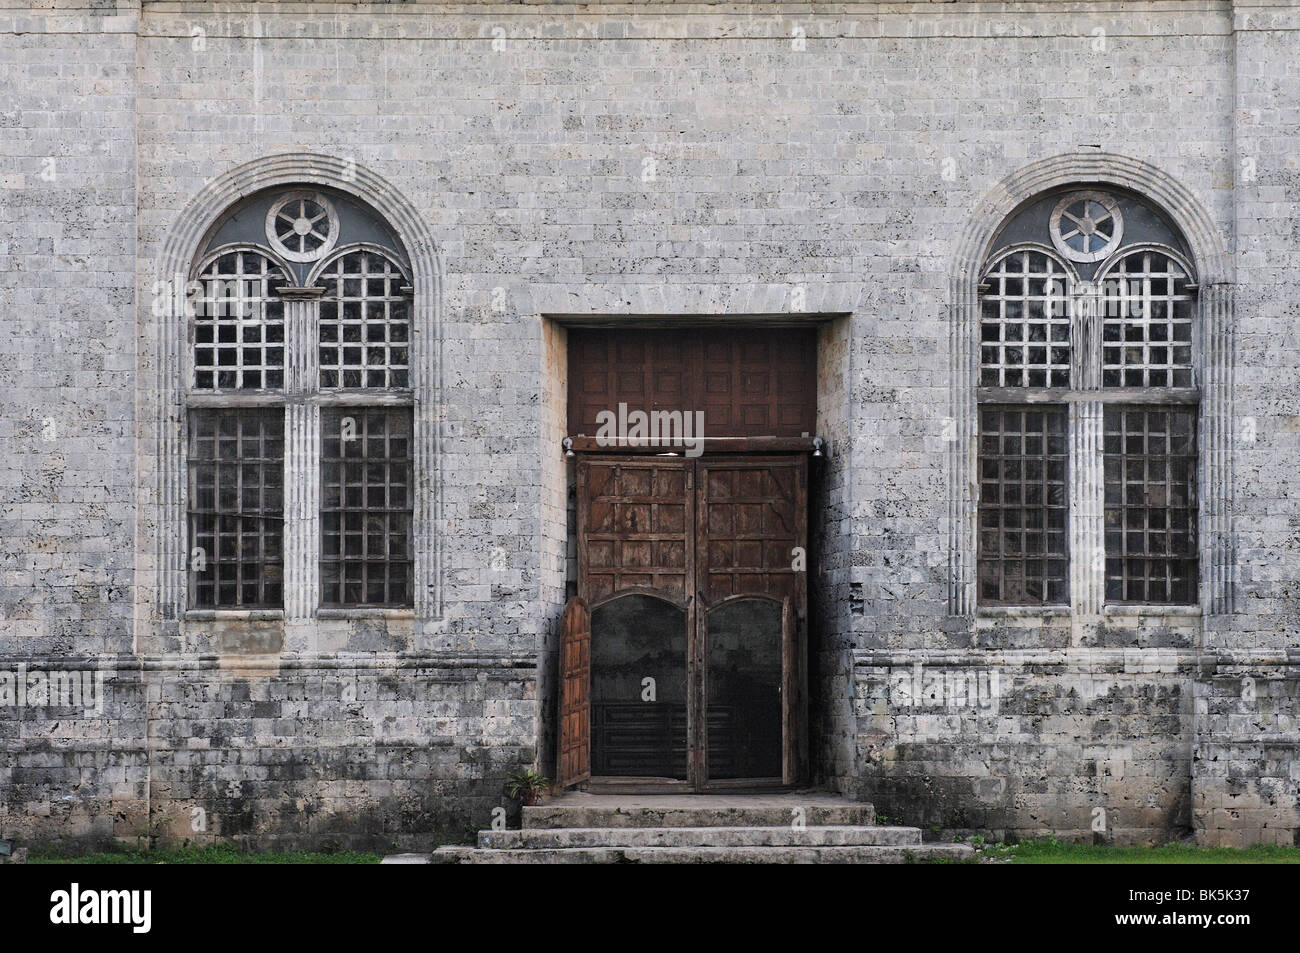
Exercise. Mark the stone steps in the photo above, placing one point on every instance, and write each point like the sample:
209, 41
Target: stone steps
612, 811
788, 828
571, 837
865, 854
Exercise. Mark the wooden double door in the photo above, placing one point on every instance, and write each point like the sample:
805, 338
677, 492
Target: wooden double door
684, 656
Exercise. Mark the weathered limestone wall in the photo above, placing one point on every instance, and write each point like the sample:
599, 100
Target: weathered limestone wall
833, 722
67, 299
1246, 785
358, 753
67, 194
661, 159
1088, 744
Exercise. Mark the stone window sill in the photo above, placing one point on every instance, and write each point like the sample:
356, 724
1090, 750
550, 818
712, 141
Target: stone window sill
364, 613
234, 615
277, 615
1021, 612
1173, 614
1176, 612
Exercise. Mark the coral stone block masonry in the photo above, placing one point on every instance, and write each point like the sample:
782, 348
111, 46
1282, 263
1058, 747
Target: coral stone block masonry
983, 317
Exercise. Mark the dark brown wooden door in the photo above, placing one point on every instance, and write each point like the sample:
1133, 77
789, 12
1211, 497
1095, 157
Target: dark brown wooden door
720, 540
751, 555
794, 696
575, 694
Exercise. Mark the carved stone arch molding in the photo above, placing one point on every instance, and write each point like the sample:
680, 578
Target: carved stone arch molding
163, 431
1215, 358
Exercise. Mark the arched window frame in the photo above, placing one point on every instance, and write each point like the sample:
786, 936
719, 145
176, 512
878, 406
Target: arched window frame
404, 294
1105, 281
1213, 361
163, 586
1069, 292
1155, 562
310, 412
1027, 556
201, 291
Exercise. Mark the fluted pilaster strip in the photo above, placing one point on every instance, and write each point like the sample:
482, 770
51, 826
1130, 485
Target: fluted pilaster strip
172, 336
960, 431
428, 496
1087, 509
302, 510
1218, 433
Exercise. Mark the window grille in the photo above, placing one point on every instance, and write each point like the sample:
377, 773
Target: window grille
1147, 337
1025, 329
1151, 508
366, 506
239, 324
1023, 510
236, 488
365, 323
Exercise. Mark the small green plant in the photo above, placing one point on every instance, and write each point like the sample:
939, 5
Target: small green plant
153, 831
527, 785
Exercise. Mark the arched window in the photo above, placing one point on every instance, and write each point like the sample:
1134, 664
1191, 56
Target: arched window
1087, 407
1150, 309
300, 408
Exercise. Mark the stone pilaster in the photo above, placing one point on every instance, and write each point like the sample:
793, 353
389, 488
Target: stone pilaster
1218, 431
1087, 510
301, 454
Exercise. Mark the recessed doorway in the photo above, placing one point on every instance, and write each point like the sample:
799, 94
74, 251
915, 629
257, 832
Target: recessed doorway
690, 637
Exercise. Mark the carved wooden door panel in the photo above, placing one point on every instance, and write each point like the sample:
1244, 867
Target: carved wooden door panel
751, 576
575, 694
750, 518
634, 515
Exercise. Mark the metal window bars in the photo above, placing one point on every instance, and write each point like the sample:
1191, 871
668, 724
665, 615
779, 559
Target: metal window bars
236, 507
1023, 509
239, 324
365, 323
366, 506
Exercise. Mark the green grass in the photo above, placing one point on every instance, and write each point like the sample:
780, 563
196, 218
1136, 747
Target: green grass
1054, 852
218, 854
1027, 852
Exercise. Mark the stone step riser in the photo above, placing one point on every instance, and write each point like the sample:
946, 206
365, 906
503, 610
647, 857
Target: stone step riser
550, 817
707, 855
842, 836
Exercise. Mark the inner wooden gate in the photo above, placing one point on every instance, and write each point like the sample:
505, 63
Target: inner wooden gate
695, 574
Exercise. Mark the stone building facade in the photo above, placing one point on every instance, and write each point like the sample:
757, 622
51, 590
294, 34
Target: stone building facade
526, 171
